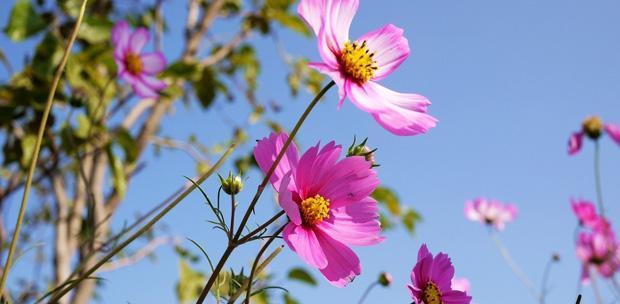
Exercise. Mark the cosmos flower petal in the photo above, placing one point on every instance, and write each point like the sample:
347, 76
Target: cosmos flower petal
461, 284
120, 35
343, 265
402, 114
285, 198
143, 90
390, 49
335, 75
266, 151
138, 40
153, 63
348, 181
356, 224
455, 297
153, 83
312, 12
575, 142
338, 17
305, 243
443, 271
613, 131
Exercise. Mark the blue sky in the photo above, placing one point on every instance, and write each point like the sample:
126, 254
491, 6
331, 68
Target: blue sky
509, 81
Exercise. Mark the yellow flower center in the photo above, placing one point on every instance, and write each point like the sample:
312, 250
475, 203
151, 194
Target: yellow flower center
133, 63
431, 294
314, 210
357, 62
593, 127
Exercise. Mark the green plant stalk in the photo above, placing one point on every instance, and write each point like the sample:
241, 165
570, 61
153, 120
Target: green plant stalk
258, 257
145, 228
232, 244
37, 147
259, 270
597, 177
367, 292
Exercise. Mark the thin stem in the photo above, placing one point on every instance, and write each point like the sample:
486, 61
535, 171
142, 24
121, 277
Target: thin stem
578, 299
260, 228
595, 290
514, 267
258, 257
597, 177
259, 191
37, 146
146, 227
543, 287
367, 291
232, 217
260, 269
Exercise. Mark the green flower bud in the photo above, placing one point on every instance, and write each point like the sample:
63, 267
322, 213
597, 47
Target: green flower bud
232, 184
362, 150
593, 127
385, 279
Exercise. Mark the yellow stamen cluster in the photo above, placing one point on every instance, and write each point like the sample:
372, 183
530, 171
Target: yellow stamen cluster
431, 294
593, 127
314, 210
357, 62
133, 63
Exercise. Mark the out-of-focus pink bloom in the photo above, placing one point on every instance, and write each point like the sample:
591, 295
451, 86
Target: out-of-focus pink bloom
585, 212
356, 66
593, 128
461, 284
328, 203
137, 68
490, 212
431, 280
599, 250
613, 131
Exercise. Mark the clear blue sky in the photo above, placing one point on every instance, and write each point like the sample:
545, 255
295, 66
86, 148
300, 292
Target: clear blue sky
509, 81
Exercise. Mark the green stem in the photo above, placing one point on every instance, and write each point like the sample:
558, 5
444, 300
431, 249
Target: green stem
37, 146
597, 177
259, 192
145, 228
367, 291
258, 257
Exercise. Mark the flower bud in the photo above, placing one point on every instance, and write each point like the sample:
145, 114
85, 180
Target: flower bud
232, 184
385, 279
362, 150
593, 127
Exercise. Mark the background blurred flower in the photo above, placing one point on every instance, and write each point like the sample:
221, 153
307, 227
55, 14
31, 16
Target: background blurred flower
585, 212
461, 284
599, 250
431, 280
592, 127
328, 203
490, 212
356, 66
135, 68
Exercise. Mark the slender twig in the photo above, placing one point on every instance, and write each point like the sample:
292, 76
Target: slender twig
597, 177
260, 228
578, 299
367, 291
545, 278
595, 290
231, 231
259, 270
37, 146
145, 228
257, 259
145, 251
259, 192
514, 267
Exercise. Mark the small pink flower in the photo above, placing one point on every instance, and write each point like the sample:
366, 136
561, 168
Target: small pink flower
328, 203
613, 131
575, 142
599, 250
135, 68
585, 212
593, 128
461, 284
490, 212
431, 280
356, 66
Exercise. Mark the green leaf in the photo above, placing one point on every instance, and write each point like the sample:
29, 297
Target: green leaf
190, 283
388, 198
386, 222
288, 299
128, 143
183, 69
95, 30
291, 22
205, 87
24, 21
83, 127
409, 219
301, 275
119, 180
27, 143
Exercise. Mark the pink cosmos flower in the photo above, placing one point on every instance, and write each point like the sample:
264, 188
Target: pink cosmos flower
461, 284
490, 212
592, 127
135, 68
585, 212
599, 250
356, 66
328, 203
431, 280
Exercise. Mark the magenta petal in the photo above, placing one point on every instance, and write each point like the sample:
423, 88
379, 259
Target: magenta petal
575, 142
613, 131
313, 169
285, 198
153, 83
138, 39
335, 75
443, 272
349, 181
455, 297
402, 114
338, 18
390, 49
312, 12
120, 36
143, 90
305, 243
356, 224
343, 265
153, 63
266, 151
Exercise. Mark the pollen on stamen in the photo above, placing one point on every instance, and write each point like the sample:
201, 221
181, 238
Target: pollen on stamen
357, 62
133, 63
431, 294
314, 210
